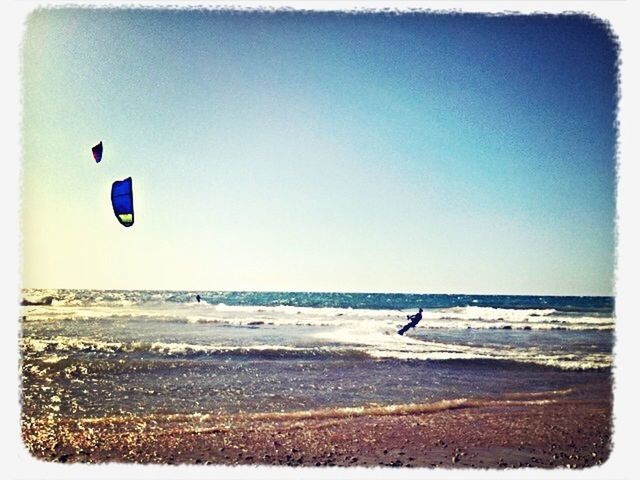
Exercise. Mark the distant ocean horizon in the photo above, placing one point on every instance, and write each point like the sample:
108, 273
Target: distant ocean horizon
351, 299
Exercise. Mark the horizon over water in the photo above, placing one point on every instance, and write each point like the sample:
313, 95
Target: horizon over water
24, 288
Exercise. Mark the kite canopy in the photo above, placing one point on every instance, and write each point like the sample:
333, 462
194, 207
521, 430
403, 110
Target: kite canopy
97, 152
122, 201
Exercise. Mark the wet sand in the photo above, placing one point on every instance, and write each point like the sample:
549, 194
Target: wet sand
560, 431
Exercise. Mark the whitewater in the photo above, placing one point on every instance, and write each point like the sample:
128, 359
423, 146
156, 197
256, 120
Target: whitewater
112, 352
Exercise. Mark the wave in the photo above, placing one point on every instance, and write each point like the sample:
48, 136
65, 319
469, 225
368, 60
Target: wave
338, 413
396, 410
442, 318
371, 347
380, 344
57, 345
47, 300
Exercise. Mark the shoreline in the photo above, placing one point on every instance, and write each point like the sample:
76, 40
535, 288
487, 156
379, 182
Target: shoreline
544, 432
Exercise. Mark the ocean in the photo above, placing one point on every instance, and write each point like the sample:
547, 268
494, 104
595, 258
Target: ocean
97, 353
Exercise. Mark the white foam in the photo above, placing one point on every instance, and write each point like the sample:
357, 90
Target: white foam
378, 343
450, 318
364, 331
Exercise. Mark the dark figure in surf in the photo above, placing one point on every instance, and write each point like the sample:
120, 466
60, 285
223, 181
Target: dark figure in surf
198, 297
413, 321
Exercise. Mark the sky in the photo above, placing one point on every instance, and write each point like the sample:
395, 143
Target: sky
320, 152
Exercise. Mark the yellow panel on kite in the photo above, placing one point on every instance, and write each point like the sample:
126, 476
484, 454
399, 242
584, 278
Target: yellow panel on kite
126, 219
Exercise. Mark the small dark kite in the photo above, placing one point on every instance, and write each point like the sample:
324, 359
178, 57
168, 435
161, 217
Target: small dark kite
97, 152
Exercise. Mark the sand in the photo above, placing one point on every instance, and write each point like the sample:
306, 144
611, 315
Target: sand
540, 432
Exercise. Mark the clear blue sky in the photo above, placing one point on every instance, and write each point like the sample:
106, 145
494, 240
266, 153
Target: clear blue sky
333, 152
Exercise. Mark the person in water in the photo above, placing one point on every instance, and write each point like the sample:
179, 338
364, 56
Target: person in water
198, 297
413, 321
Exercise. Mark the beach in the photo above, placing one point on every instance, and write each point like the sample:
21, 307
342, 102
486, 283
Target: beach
152, 377
568, 433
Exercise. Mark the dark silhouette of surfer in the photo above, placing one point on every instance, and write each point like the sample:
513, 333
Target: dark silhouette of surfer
198, 297
413, 321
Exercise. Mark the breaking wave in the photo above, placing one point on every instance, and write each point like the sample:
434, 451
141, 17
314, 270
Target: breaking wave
57, 348
443, 318
337, 413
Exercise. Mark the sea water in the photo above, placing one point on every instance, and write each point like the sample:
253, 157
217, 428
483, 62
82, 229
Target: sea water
92, 353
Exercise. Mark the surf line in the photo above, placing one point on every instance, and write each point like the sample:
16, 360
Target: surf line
347, 412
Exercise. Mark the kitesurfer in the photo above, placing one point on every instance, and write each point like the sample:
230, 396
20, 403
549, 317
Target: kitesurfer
198, 297
413, 321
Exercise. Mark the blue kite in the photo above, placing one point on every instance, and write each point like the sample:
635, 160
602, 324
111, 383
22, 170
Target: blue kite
122, 201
